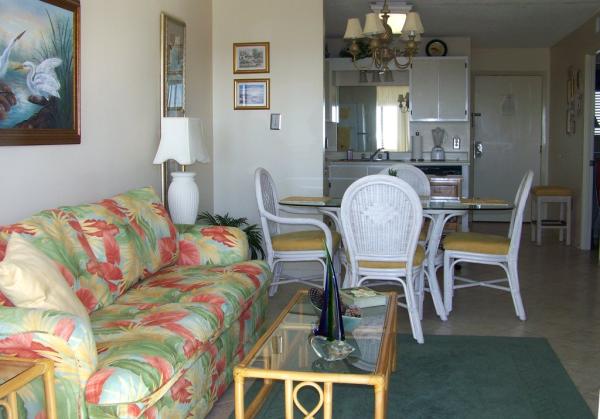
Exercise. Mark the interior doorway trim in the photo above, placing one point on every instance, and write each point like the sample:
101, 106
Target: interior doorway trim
587, 176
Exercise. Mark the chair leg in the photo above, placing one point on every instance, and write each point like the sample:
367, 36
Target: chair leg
413, 311
568, 241
561, 232
513, 280
436, 294
277, 269
420, 291
538, 223
532, 220
448, 282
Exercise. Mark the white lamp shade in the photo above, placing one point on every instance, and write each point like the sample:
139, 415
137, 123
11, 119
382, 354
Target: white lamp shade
353, 29
396, 21
373, 25
182, 140
413, 24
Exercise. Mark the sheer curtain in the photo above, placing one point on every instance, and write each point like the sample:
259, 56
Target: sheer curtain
392, 125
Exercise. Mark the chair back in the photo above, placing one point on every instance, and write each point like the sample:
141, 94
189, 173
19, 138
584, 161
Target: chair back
268, 202
411, 175
381, 218
516, 219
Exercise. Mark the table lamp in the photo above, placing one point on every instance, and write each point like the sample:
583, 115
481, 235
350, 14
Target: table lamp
182, 140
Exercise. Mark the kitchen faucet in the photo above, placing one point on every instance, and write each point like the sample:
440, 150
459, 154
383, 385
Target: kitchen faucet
372, 156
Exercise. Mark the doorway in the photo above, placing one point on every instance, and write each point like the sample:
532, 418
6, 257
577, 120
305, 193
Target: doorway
507, 137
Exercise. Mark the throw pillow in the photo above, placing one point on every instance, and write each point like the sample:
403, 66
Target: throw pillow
30, 279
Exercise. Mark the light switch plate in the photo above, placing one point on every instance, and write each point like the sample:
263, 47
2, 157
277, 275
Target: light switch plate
275, 121
456, 143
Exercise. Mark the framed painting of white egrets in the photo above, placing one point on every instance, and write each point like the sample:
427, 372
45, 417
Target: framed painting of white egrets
173, 66
39, 72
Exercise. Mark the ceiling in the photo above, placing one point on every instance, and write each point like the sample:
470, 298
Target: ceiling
489, 23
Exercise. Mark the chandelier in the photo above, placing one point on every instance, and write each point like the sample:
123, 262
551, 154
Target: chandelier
381, 38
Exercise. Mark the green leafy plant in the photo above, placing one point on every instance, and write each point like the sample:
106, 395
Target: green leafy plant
252, 231
392, 172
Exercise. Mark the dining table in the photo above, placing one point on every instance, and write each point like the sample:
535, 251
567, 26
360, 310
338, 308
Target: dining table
439, 211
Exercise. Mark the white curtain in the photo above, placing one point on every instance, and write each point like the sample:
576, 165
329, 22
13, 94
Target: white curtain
392, 125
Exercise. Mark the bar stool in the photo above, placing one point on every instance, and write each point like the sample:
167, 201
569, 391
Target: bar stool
542, 195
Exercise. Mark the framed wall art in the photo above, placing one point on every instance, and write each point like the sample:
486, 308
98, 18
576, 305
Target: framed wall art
251, 94
39, 72
173, 65
251, 57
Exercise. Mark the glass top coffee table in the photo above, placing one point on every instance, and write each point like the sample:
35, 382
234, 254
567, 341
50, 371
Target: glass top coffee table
284, 354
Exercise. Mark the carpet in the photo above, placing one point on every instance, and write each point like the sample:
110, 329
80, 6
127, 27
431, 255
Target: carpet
460, 377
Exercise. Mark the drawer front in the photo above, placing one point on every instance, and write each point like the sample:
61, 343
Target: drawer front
339, 171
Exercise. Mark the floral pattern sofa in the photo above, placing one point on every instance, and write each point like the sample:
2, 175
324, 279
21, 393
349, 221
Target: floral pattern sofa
173, 309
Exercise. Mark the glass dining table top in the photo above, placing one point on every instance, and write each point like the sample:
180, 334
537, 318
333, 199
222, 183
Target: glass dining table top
429, 203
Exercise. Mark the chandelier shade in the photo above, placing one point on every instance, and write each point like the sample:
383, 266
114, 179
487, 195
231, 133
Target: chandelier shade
353, 29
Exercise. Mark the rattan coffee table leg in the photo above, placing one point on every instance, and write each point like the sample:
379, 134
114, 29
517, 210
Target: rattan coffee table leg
239, 396
379, 400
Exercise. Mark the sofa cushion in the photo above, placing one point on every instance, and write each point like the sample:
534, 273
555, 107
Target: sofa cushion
161, 325
151, 222
114, 244
59, 236
211, 245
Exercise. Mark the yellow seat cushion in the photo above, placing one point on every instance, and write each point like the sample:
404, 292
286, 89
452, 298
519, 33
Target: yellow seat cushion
298, 241
551, 191
489, 244
374, 264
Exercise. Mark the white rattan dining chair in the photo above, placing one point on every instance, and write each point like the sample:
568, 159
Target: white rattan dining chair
296, 246
489, 249
419, 181
381, 219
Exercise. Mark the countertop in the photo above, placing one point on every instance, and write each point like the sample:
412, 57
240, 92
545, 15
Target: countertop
416, 163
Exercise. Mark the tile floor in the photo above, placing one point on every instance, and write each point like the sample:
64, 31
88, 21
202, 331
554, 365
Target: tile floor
561, 293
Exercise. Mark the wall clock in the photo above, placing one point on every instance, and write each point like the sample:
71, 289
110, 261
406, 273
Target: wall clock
436, 48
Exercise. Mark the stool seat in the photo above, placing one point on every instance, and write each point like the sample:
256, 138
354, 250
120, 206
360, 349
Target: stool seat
551, 190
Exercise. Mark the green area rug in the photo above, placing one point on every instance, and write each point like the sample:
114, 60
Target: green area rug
460, 377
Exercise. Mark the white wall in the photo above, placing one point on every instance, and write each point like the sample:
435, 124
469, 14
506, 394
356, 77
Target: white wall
120, 110
242, 139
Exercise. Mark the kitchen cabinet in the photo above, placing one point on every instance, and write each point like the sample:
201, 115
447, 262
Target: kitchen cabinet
439, 89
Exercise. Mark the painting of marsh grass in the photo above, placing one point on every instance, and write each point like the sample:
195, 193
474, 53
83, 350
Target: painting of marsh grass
38, 65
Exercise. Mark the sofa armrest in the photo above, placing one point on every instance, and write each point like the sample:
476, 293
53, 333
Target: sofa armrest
211, 245
62, 337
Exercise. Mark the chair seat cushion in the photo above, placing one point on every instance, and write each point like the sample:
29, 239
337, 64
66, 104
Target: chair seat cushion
374, 264
303, 241
477, 243
424, 230
551, 190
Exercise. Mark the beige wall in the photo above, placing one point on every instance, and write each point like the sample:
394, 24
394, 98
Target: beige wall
120, 110
242, 139
566, 156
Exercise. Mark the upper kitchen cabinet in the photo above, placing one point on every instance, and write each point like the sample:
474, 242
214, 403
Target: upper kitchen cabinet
439, 89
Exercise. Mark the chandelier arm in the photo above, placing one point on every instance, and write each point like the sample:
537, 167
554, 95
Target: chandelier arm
402, 66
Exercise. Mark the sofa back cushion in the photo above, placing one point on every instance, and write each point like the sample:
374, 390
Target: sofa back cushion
152, 225
211, 245
59, 236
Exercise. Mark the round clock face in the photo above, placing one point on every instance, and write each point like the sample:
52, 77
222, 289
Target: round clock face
436, 48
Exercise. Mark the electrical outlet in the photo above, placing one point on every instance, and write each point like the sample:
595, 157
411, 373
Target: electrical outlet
456, 143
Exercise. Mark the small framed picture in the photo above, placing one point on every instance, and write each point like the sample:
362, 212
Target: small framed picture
251, 57
251, 94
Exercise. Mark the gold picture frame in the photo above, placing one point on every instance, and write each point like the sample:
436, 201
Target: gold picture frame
173, 65
251, 57
251, 94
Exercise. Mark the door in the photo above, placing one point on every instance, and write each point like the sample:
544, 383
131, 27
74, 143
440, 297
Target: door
424, 90
453, 91
507, 135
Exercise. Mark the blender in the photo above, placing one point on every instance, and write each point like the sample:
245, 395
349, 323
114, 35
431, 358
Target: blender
437, 152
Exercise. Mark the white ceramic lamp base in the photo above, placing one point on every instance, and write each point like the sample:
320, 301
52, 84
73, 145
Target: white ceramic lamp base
183, 198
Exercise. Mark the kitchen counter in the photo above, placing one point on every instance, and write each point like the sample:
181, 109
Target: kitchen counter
416, 163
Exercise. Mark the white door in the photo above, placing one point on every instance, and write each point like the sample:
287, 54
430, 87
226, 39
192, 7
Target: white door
507, 135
